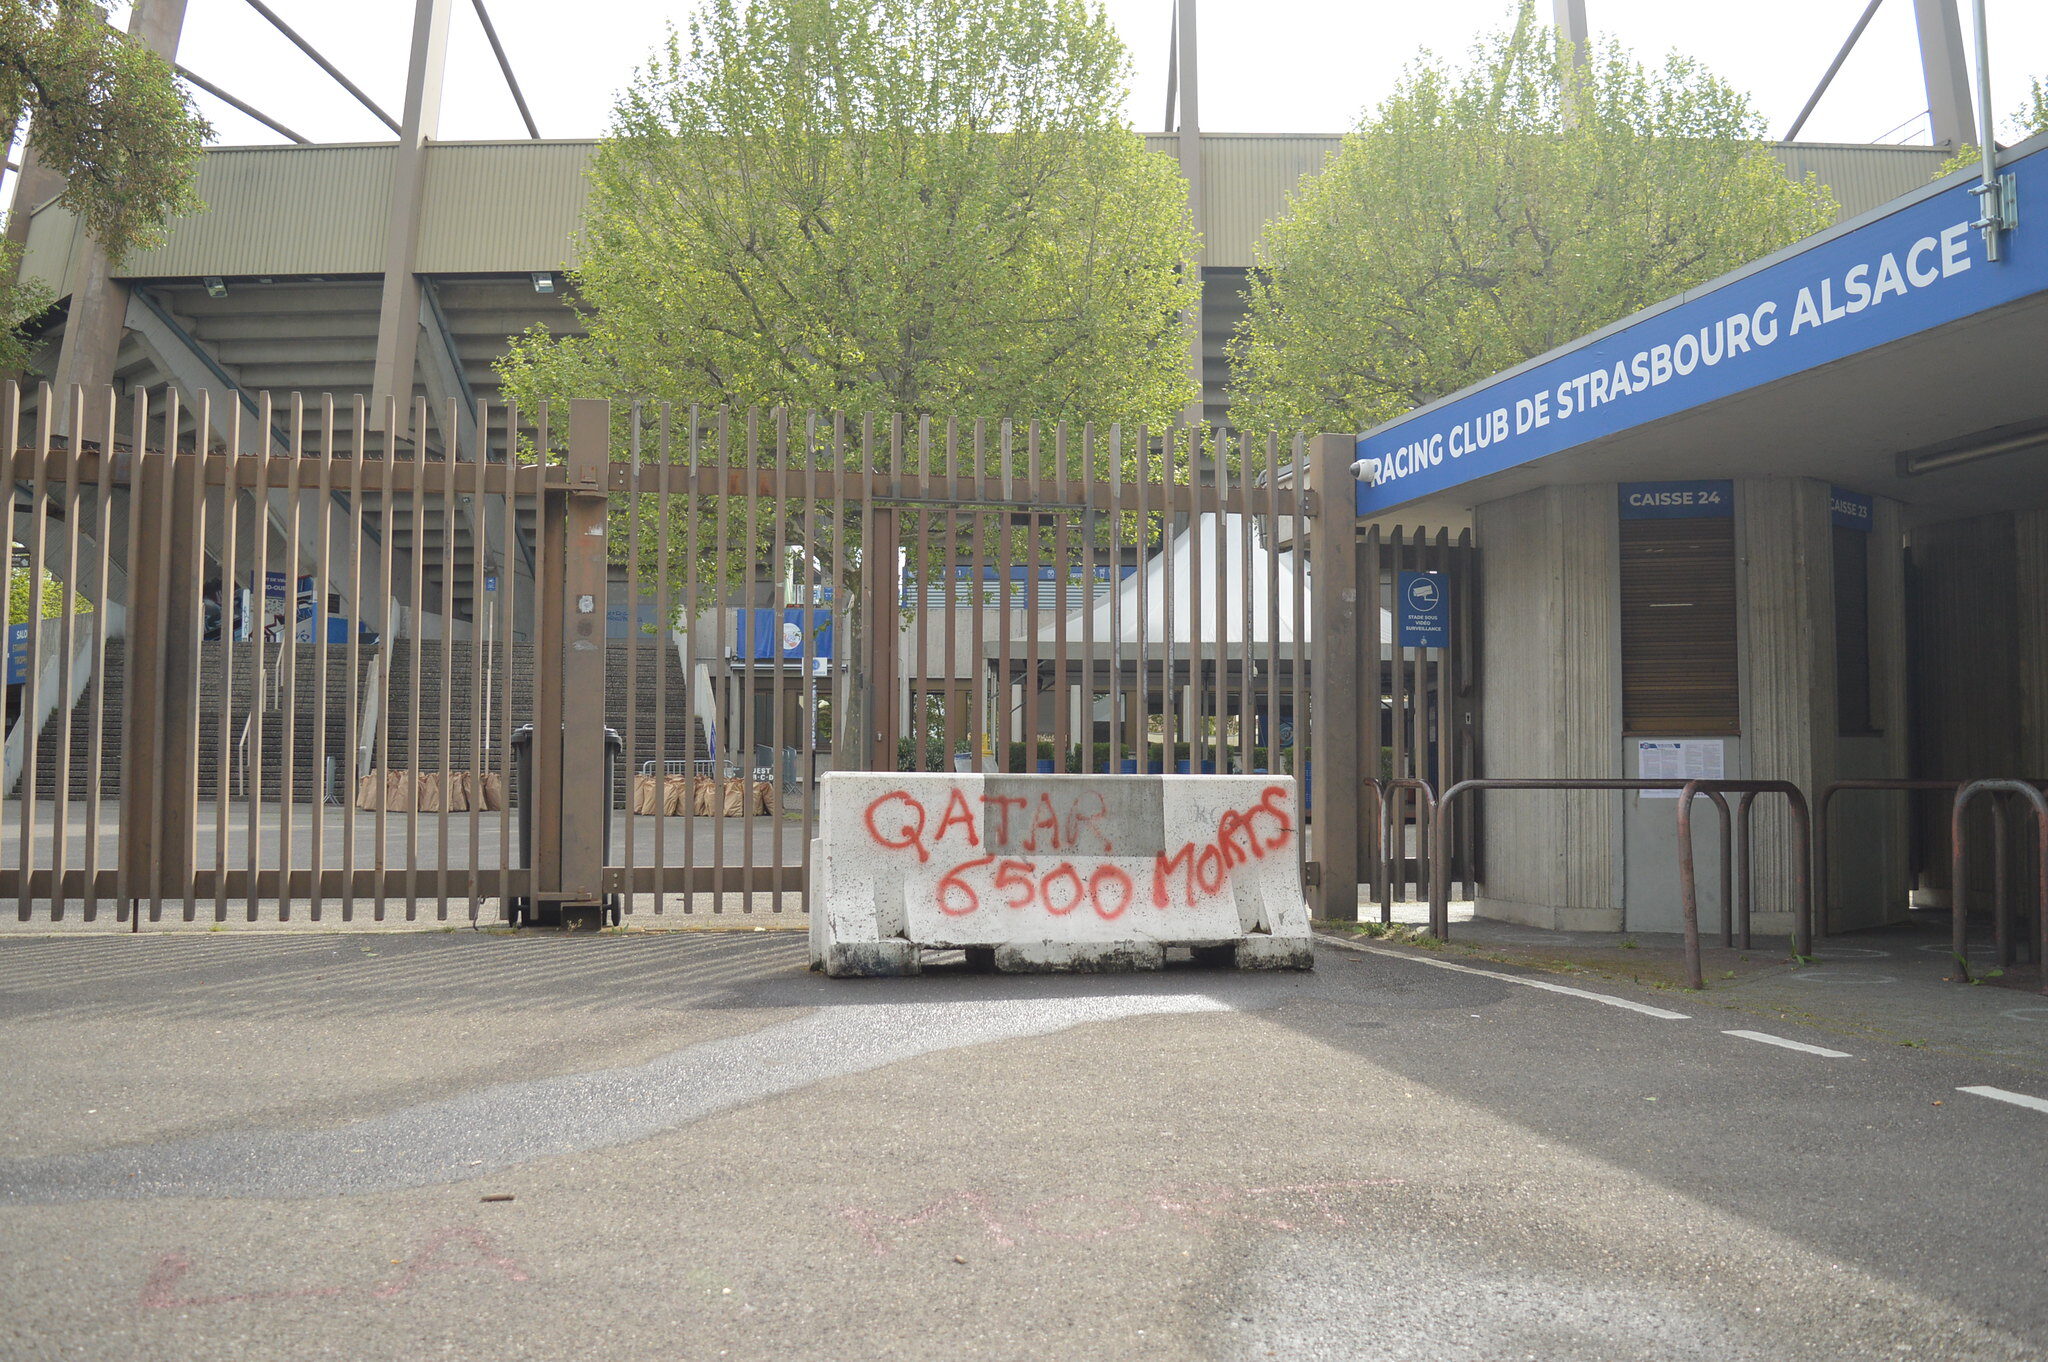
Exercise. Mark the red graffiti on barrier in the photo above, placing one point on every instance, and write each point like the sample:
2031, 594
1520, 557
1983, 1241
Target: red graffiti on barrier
1082, 1217
158, 1293
897, 821
1184, 877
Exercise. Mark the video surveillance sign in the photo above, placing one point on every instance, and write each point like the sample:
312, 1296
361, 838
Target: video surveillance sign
1423, 610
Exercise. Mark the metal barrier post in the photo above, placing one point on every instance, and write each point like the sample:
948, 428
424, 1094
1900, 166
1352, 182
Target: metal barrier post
1337, 699
1394, 845
1959, 917
1802, 824
1439, 868
582, 662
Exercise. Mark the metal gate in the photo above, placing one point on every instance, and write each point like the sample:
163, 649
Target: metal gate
283, 651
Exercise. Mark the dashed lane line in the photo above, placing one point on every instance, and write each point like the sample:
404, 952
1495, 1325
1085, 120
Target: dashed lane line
2018, 1099
1543, 984
1799, 1045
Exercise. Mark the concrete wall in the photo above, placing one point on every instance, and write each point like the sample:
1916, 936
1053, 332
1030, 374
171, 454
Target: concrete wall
1551, 705
1552, 708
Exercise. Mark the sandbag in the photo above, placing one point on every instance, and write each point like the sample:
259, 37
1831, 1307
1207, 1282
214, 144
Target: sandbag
735, 800
764, 796
398, 791
492, 790
369, 790
648, 795
675, 795
427, 799
704, 802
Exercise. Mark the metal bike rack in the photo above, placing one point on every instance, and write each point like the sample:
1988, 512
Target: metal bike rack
1959, 916
1823, 906
1392, 856
1439, 879
1802, 827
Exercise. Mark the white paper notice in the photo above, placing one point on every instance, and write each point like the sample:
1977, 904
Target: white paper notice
1680, 759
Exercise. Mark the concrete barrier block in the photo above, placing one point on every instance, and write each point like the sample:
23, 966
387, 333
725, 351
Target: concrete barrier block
1054, 871
1079, 957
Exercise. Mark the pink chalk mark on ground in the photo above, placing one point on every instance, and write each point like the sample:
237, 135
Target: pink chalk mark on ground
160, 1291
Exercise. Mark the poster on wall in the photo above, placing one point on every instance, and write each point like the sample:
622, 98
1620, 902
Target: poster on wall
1678, 759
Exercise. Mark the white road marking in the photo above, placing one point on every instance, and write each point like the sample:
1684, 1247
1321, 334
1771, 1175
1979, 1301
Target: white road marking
1798, 1045
1543, 984
2018, 1099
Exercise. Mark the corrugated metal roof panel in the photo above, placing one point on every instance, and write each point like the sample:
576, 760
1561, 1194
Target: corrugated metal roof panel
1862, 177
506, 207
1249, 182
494, 207
281, 210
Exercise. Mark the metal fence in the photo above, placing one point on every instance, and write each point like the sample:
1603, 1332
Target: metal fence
283, 649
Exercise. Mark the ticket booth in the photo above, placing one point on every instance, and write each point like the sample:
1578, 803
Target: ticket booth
1793, 526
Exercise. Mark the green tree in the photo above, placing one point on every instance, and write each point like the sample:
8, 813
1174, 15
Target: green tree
2030, 118
107, 114
20, 592
931, 211
1483, 215
918, 207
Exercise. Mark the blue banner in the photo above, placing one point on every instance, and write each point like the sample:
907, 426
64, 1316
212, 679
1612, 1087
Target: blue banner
786, 635
1906, 272
1423, 607
1703, 499
17, 654
1850, 510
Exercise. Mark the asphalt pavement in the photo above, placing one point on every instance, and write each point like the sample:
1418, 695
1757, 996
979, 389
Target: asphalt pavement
685, 1146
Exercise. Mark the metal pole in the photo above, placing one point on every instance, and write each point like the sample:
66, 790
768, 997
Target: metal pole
1991, 190
1336, 679
325, 65
585, 793
1828, 77
504, 65
398, 315
1187, 63
1941, 66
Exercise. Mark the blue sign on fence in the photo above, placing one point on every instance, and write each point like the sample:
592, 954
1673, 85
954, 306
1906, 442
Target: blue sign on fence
1850, 510
1917, 267
1424, 610
1704, 499
786, 635
17, 654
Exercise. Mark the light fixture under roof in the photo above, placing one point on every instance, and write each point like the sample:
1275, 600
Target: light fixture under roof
216, 287
543, 281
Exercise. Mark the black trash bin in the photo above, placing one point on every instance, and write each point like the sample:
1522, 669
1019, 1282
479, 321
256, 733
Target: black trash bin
518, 911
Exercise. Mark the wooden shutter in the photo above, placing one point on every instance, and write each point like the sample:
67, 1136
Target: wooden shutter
1852, 631
1678, 661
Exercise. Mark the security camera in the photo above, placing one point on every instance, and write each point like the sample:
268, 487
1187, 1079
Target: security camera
1365, 470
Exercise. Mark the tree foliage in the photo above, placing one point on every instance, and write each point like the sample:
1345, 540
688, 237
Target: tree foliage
108, 115
21, 590
916, 207
1485, 214
2030, 118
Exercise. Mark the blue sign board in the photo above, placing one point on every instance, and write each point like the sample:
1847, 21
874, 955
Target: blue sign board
1423, 610
17, 654
1904, 273
787, 635
1850, 510
1704, 499
491, 582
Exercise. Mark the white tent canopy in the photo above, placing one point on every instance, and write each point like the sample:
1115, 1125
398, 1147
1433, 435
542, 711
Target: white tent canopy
1251, 586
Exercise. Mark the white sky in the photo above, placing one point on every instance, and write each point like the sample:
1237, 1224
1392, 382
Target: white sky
1267, 66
